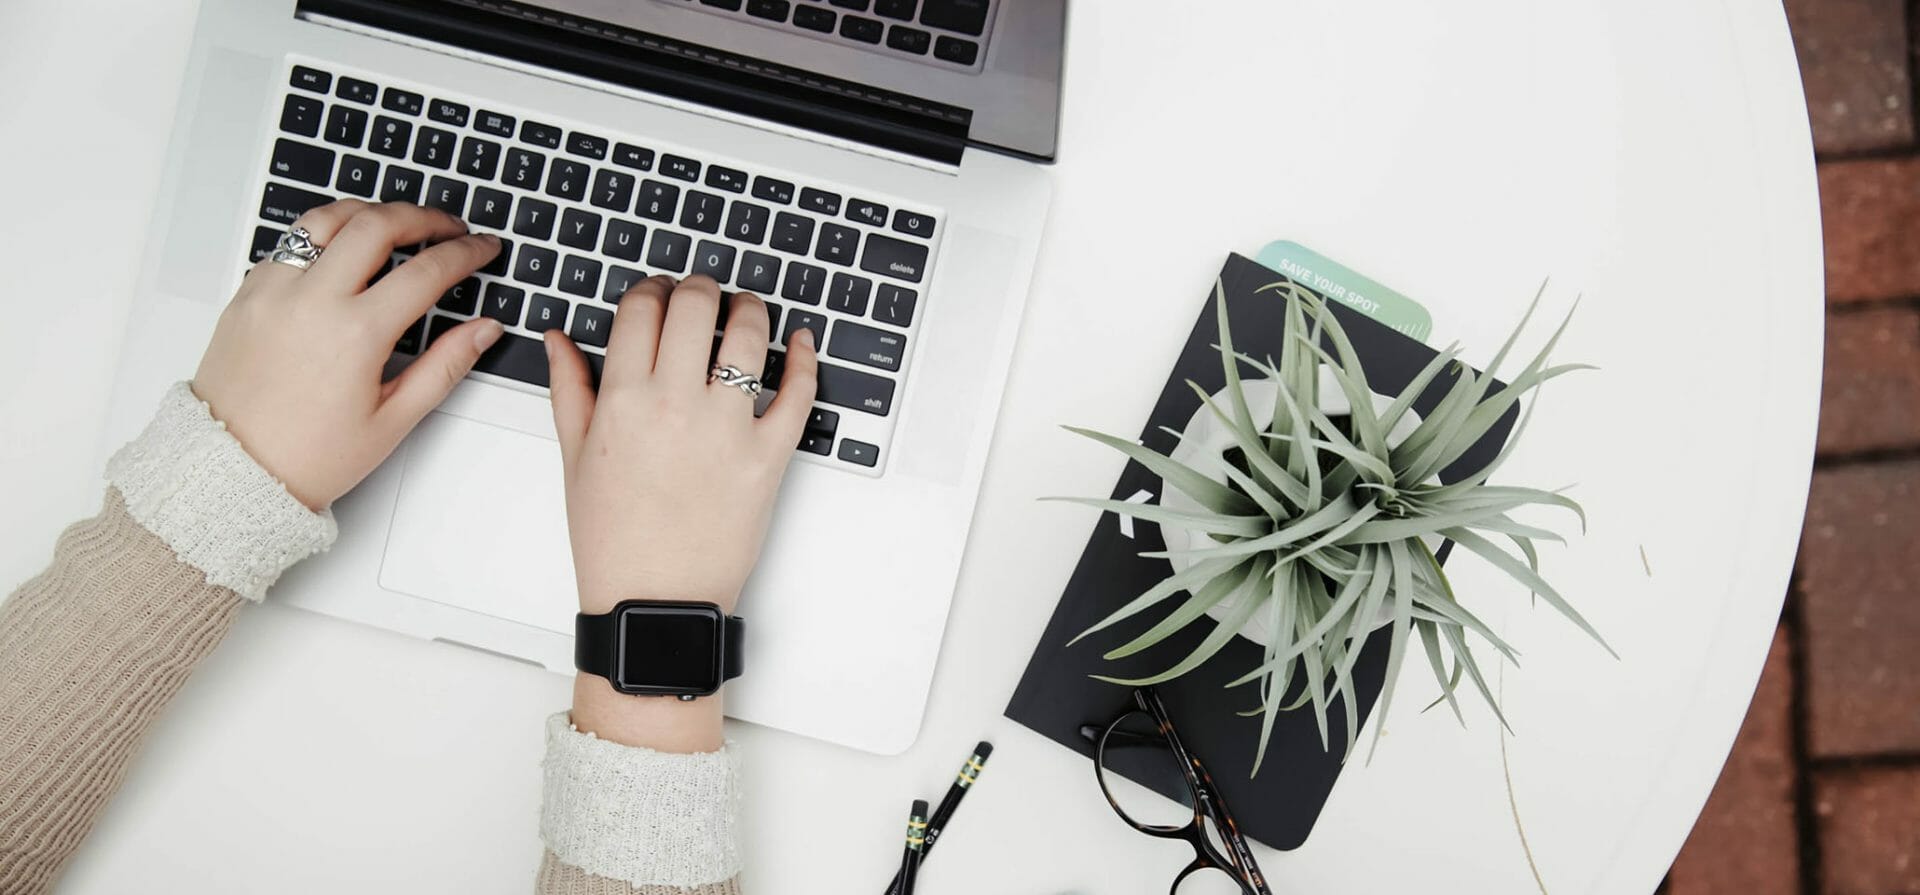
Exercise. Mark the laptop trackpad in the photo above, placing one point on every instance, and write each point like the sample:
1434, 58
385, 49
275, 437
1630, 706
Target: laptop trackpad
481, 524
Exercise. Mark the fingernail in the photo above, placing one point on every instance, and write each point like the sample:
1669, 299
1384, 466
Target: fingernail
490, 238
805, 334
487, 333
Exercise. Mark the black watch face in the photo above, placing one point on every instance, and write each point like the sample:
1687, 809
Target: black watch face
670, 649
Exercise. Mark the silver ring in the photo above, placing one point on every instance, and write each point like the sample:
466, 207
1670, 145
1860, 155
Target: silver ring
728, 374
295, 249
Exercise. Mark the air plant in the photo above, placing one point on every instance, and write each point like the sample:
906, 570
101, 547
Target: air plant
1328, 525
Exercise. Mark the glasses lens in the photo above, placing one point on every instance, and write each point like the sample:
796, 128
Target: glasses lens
1209, 881
1142, 776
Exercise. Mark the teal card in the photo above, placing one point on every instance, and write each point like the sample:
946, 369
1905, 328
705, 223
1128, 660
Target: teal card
1336, 282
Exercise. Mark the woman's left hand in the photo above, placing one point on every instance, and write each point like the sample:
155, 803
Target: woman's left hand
294, 368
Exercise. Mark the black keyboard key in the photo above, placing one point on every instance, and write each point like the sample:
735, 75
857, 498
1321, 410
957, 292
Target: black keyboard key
728, 5
733, 180
792, 233
806, 283
701, 212
299, 161
798, 320
402, 101
759, 273
867, 345
540, 134
619, 280
283, 204
591, 326
264, 241
568, 179
498, 266
837, 244
848, 294
820, 419
479, 159
311, 79
872, 213
657, 200
772, 10
434, 148
771, 190
346, 126
579, 229
612, 189
535, 218
358, 176
855, 5
627, 155
776, 365
957, 50
494, 123
894, 9
516, 357
390, 136
909, 40
964, 16
861, 29
524, 169
715, 260
587, 145
859, 452
820, 201
463, 298
535, 265
894, 305
448, 112
301, 115
448, 195
546, 312
410, 341
623, 240
913, 223
773, 316
491, 208
679, 167
894, 257
580, 276
669, 250
814, 18
847, 387
816, 443
747, 222
503, 303
356, 90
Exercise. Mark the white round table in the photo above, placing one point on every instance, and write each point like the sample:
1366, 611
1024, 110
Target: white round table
1653, 157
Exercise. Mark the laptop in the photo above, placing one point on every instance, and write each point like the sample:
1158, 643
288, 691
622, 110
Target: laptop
875, 168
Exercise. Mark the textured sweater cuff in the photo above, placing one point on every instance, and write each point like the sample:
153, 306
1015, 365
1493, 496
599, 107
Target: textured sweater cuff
187, 480
637, 815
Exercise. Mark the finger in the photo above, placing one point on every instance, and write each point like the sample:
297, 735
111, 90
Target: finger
686, 338
425, 382
745, 344
367, 240
636, 330
787, 416
572, 388
403, 296
322, 223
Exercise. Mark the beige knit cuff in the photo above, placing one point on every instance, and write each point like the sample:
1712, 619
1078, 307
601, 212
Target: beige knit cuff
637, 815
191, 483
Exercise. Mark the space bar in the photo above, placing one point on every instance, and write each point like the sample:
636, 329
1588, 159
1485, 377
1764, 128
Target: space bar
518, 357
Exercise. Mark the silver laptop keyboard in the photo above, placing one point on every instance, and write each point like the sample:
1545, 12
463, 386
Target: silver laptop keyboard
947, 33
583, 213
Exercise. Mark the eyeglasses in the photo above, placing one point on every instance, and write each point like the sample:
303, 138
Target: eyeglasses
1142, 745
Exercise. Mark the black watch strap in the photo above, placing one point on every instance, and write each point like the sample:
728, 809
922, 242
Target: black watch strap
595, 650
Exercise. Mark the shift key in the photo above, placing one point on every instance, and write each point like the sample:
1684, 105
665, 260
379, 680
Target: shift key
866, 345
844, 387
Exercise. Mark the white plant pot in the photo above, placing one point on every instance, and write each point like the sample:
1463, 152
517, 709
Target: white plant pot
1208, 438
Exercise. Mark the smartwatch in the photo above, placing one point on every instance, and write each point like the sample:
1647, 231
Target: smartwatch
660, 647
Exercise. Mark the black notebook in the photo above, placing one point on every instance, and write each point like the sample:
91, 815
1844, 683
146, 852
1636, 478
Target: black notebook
1056, 696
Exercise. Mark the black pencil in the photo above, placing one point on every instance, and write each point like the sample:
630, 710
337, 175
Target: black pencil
916, 844
950, 803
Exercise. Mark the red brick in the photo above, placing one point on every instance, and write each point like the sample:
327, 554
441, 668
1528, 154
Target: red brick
1870, 397
1870, 210
1746, 841
1869, 820
1853, 63
1860, 583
